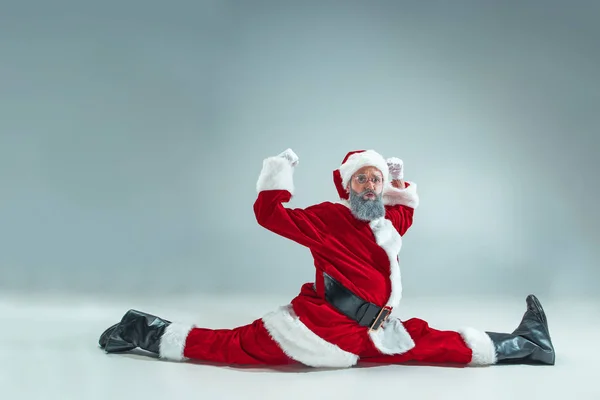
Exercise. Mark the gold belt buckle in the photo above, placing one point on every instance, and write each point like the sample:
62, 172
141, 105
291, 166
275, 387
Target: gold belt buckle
381, 318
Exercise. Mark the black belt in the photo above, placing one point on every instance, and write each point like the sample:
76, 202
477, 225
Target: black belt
354, 307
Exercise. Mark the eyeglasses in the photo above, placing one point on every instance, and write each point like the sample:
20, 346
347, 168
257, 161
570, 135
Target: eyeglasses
362, 179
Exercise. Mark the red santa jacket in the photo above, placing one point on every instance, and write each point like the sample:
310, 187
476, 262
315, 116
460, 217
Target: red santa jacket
363, 256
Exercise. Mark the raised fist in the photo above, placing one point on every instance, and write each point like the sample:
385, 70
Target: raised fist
290, 156
396, 168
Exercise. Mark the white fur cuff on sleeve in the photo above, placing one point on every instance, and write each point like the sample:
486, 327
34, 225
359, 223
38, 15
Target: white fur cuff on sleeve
406, 197
277, 174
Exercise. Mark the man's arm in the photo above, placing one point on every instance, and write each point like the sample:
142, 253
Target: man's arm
400, 197
275, 186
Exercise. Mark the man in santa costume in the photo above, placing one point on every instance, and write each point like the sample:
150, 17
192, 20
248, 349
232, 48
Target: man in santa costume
344, 316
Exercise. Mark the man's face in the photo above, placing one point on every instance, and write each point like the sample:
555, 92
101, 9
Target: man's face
365, 190
368, 180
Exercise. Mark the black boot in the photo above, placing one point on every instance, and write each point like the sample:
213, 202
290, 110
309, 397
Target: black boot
530, 343
136, 329
105, 335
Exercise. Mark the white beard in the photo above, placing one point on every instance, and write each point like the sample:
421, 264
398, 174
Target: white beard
366, 210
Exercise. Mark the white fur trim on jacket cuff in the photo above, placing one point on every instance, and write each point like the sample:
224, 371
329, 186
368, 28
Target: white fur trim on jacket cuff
276, 174
405, 197
172, 342
484, 352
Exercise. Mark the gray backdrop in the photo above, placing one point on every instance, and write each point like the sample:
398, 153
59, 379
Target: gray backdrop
132, 134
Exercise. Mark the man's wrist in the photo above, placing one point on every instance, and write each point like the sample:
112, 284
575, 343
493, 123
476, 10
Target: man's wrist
398, 183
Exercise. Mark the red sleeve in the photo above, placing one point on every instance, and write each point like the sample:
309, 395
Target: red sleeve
300, 225
400, 205
401, 217
275, 187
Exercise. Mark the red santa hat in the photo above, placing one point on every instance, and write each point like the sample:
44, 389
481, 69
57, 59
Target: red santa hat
354, 161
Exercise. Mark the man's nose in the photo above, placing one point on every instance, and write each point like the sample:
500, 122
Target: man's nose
370, 184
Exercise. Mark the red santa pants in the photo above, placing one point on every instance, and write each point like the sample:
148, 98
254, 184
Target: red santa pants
432, 346
245, 345
252, 345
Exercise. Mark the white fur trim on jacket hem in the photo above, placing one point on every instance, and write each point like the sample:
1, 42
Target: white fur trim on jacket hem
172, 342
392, 338
484, 352
303, 345
276, 174
405, 197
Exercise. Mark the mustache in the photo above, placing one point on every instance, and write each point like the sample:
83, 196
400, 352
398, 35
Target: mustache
367, 191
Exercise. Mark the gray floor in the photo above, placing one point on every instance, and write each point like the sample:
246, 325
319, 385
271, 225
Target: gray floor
48, 351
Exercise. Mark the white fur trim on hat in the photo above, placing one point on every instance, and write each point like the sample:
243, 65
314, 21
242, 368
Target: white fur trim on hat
358, 160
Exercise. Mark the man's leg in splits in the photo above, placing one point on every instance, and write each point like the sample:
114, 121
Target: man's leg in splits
529, 343
245, 345
432, 346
